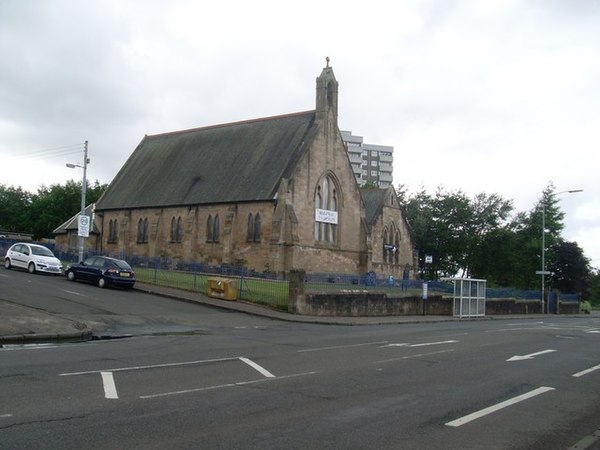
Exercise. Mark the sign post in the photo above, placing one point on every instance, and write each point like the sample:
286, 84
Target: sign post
83, 226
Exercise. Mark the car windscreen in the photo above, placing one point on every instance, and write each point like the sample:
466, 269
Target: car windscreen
41, 251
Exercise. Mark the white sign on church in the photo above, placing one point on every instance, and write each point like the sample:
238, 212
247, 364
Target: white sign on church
326, 216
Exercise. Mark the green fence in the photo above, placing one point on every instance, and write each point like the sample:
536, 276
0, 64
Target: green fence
272, 293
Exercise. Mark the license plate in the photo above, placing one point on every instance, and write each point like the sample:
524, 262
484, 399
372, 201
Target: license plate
125, 274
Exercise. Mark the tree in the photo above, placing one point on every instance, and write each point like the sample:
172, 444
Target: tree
52, 206
14, 205
595, 288
452, 229
570, 269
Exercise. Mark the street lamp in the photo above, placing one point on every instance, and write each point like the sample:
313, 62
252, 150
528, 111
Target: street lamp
543, 272
81, 216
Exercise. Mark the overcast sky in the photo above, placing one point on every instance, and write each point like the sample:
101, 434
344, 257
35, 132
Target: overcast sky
494, 96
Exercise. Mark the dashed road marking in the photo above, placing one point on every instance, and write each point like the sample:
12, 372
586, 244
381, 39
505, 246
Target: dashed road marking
484, 412
260, 369
110, 389
586, 371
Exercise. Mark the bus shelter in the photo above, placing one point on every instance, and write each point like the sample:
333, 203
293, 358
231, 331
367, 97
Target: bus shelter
469, 297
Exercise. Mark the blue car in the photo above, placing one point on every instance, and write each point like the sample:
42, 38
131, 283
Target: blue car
103, 271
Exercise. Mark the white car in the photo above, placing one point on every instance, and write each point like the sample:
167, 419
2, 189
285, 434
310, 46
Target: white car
33, 257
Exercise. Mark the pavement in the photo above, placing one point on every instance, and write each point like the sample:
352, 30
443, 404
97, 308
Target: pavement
23, 325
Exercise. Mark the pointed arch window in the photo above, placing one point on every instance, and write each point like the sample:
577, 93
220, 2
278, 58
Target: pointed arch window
213, 229
253, 233
176, 229
326, 215
113, 231
142, 231
257, 228
250, 233
209, 229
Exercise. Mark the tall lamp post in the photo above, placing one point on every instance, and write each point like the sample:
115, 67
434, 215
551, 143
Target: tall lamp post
82, 220
543, 272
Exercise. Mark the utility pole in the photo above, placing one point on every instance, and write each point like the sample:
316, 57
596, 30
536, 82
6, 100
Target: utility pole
83, 222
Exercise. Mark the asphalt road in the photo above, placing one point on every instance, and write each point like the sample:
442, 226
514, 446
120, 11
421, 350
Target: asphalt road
195, 377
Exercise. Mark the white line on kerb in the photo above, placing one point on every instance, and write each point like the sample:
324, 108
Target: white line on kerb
499, 406
586, 371
262, 370
110, 390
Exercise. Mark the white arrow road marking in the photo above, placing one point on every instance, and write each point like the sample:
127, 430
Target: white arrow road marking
586, 371
110, 390
425, 344
261, 369
497, 407
530, 356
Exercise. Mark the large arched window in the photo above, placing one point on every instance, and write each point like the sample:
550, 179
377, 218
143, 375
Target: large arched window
326, 210
391, 245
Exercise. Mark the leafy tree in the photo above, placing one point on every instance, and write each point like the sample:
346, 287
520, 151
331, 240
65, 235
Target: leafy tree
14, 205
489, 216
571, 269
452, 229
595, 288
53, 205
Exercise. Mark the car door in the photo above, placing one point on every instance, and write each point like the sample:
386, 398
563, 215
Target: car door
88, 270
20, 256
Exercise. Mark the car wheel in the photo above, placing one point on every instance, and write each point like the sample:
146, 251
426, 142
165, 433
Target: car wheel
7, 263
31, 268
70, 276
102, 283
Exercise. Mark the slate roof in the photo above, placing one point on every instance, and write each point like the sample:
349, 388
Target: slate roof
237, 162
374, 199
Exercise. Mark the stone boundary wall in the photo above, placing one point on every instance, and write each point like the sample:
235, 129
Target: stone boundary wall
365, 304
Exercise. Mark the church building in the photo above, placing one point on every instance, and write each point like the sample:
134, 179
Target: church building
270, 194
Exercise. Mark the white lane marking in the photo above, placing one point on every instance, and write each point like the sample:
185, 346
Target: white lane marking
221, 386
593, 331
4, 416
425, 344
530, 356
74, 293
340, 346
414, 356
123, 369
260, 369
110, 389
586, 371
484, 412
